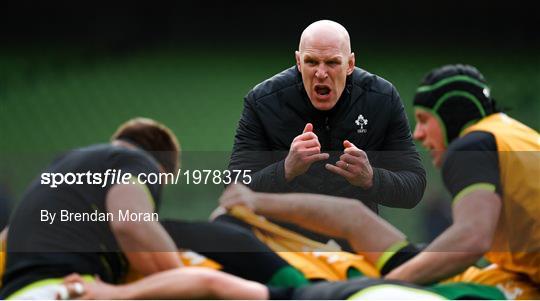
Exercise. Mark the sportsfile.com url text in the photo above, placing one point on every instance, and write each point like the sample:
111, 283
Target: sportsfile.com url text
114, 176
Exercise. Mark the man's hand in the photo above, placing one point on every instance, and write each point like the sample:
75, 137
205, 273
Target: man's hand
354, 166
78, 288
305, 149
238, 195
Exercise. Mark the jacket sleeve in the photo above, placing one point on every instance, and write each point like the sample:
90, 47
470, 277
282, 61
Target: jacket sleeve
252, 152
399, 179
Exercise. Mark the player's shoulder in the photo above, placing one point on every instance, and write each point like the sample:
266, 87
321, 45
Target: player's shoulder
469, 160
474, 141
286, 79
469, 151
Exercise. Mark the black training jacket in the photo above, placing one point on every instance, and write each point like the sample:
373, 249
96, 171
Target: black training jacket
369, 114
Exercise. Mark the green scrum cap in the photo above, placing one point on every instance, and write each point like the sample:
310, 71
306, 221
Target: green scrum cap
457, 95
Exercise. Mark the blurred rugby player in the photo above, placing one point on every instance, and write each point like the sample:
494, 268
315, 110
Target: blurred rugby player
39, 253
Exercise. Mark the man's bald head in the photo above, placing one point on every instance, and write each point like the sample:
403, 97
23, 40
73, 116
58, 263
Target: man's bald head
324, 59
325, 32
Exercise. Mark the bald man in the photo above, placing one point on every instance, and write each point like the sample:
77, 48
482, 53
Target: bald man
326, 126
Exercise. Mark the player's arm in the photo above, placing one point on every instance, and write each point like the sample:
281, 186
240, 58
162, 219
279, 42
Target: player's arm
461, 245
147, 245
471, 174
186, 283
196, 283
333, 216
3, 234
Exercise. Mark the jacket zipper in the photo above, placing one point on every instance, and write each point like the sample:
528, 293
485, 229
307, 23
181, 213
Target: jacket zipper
327, 129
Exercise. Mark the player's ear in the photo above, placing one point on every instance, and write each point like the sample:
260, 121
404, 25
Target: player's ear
298, 58
352, 63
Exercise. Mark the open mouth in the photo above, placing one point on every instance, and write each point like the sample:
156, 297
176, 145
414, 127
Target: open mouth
322, 90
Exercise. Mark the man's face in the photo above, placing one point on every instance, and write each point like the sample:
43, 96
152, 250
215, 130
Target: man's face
429, 132
324, 65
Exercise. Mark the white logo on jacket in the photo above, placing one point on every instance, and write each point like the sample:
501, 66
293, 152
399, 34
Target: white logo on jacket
361, 122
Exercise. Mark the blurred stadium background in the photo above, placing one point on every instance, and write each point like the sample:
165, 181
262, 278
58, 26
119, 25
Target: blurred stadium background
71, 72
